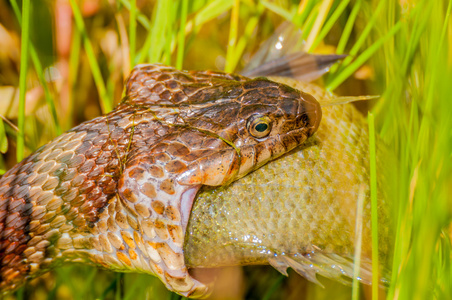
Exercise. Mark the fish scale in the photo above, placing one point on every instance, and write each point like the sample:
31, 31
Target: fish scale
301, 207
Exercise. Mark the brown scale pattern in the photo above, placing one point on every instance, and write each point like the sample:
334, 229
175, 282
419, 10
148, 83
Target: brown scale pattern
117, 191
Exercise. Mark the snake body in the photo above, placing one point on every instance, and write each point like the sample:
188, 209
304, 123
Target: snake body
117, 191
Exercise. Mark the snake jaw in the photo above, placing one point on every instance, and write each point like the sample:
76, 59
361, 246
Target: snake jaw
310, 113
187, 200
213, 170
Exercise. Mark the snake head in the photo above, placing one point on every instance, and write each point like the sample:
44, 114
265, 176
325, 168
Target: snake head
193, 129
241, 123
276, 113
274, 119
253, 121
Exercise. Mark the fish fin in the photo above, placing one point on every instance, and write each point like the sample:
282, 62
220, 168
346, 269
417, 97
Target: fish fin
340, 268
302, 66
303, 267
282, 55
286, 39
279, 264
335, 100
329, 265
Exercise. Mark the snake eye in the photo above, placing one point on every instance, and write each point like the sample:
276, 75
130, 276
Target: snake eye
259, 126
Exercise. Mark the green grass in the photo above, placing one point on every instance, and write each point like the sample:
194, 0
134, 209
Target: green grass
358, 243
417, 123
374, 205
105, 99
406, 47
25, 41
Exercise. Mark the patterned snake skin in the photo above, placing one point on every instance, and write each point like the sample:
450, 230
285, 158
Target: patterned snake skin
117, 191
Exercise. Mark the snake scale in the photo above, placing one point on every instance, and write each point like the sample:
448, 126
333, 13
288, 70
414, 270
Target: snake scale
117, 191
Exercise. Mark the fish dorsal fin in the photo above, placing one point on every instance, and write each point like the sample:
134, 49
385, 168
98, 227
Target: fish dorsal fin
337, 100
325, 98
283, 55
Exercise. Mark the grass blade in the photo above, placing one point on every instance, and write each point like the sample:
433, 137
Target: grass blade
3, 138
74, 60
181, 35
278, 10
309, 22
234, 24
40, 73
345, 36
25, 36
106, 103
207, 13
244, 39
374, 205
314, 32
359, 43
140, 17
158, 32
329, 24
304, 9
132, 31
350, 69
358, 242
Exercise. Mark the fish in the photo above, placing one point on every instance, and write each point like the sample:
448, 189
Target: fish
310, 209
301, 210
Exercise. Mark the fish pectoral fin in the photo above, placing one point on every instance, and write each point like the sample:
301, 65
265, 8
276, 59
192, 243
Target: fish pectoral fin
330, 265
304, 268
301, 266
279, 264
161, 208
340, 268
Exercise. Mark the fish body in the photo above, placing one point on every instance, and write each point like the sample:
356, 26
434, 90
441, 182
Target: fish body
300, 211
117, 191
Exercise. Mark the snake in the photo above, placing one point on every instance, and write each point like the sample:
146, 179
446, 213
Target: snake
117, 191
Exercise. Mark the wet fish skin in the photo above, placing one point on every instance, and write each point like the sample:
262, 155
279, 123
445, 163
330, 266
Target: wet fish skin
300, 210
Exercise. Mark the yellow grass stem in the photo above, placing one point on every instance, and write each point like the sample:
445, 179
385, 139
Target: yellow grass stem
323, 12
233, 29
358, 242
374, 205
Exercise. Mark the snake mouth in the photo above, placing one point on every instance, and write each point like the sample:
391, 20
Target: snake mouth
291, 140
187, 199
